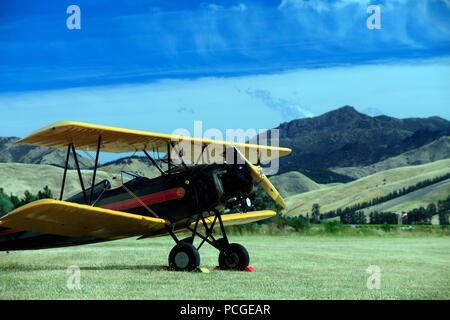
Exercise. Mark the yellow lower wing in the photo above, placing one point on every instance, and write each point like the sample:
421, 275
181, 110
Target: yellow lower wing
227, 219
75, 220
239, 218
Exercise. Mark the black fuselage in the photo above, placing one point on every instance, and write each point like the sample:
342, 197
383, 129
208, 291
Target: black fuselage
177, 196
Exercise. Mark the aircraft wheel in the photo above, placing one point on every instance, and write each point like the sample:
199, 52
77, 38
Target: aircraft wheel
184, 257
234, 257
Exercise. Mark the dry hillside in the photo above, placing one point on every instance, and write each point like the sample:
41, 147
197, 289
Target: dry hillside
434, 151
142, 166
15, 178
291, 183
11, 152
364, 189
422, 197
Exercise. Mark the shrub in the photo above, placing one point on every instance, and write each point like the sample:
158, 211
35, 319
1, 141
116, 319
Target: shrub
299, 223
9, 203
5, 204
331, 226
386, 227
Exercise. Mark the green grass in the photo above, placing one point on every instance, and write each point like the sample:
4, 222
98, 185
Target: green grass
287, 267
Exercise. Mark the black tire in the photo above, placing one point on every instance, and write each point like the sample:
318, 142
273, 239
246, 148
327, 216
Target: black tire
234, 257
184, 257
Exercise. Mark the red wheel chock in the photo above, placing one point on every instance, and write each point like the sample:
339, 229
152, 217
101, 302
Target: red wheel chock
247, 269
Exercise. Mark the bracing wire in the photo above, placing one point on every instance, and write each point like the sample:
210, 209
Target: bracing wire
131, 193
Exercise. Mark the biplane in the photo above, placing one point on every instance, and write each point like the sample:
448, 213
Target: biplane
191, 195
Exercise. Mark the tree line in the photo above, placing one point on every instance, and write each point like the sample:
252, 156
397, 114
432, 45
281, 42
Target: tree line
352, 211
416, 216
10, 202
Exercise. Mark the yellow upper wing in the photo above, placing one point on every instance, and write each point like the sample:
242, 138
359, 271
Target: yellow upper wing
75, 220
84, 136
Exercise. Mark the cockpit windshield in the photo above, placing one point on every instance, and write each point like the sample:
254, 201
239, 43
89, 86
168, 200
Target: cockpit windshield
129, 175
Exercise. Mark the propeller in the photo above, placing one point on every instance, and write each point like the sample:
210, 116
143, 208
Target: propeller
259, 176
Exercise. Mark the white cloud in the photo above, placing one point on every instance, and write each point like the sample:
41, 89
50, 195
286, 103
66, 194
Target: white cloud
239, 7
288, 108
317, 5
185, 110
214, 6
403, 22
447, 2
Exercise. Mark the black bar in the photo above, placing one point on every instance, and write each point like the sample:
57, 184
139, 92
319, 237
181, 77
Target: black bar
154, 162
95, 170
226, 308
65, 172
79, 174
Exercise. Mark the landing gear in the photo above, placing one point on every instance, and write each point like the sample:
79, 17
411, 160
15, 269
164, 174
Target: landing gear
234, 257
184, 257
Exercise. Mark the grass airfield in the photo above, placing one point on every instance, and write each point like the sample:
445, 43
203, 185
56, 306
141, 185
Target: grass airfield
287, 267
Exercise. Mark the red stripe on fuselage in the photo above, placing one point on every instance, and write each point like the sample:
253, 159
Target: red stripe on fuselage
171, 194
9, 231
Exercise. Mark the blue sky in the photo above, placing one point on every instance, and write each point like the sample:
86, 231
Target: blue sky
160, 65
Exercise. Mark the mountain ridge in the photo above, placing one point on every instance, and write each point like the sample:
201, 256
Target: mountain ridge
347, 138
11, 152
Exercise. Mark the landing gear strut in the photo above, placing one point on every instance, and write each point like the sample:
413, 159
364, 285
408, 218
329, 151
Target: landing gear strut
185, 257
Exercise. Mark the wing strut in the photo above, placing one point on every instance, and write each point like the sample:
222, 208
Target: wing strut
154, 163
79, 173
71, 147
168, 154
95, 169
65, 173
